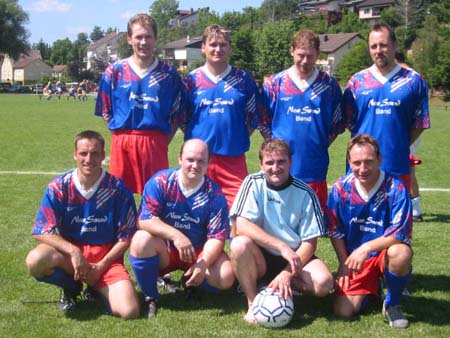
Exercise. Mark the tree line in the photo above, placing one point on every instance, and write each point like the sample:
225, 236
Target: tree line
261, 36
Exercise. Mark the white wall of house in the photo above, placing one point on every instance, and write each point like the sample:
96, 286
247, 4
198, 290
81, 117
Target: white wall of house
7, 69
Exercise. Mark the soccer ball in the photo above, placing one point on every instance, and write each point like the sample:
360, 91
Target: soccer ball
271, 310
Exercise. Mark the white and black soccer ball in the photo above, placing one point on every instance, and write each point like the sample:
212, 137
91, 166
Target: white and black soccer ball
271, 310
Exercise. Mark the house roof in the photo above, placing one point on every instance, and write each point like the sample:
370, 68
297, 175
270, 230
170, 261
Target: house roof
194, 42
59, 68
26, 58
332, 42
104, 40
371, 3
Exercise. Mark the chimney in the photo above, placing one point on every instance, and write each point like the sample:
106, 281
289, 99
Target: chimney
325, 38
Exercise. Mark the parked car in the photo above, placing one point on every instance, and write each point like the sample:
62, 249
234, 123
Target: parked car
37, 88
5, 87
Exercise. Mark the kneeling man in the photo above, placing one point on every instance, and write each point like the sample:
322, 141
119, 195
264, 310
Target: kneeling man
278, 220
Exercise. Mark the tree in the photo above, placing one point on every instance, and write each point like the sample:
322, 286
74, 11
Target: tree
96, 34
163, 10
273, 10
13, 35
61, 52
44, 48
76, 56
350, 23
274, 42
243, 55
356, 59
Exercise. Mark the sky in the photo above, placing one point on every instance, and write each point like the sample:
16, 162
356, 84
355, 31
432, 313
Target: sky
51, 20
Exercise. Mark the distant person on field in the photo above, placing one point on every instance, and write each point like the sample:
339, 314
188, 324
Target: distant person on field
84, 226
388, 102
222, 110
183, 222
303, 107
370, 225
278, 221
48, 90
59, 89
139, 99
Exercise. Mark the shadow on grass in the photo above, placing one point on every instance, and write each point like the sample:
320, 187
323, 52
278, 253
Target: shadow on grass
434, 218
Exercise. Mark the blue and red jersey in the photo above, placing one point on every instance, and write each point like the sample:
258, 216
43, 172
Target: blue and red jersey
387, 108
308, 119
220, 111
388, 212
201, 216
108, 216
130, 102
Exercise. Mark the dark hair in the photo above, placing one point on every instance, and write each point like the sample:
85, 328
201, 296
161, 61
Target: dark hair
215, 30
144, 20
360, 140
380, 26
274, 145
90, 135
306, 38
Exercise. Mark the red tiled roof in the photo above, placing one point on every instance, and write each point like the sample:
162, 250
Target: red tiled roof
27, 57
332, 42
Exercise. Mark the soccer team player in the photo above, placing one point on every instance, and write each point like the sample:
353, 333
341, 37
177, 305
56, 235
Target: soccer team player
84, 226
278, 220
183, 222
303, 107
369, 215
221, 109
139, 98
388, 102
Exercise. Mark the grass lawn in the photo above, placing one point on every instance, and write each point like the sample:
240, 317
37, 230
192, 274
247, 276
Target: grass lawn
36, 136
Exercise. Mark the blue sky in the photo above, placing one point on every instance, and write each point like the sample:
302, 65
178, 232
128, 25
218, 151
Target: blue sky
57, 19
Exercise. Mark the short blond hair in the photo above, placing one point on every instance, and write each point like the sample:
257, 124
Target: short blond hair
216, 30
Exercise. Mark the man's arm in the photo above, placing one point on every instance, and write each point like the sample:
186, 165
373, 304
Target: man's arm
263, 239
158, 228
212, 250
415, 133
79, 263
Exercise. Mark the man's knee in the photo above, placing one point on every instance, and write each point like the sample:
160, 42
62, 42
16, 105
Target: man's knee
143, 244
323, 284
239, 246
37, 261
400, 255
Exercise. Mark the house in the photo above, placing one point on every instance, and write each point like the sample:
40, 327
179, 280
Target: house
186, 17
59, 71
312, 6
105, 50
370, 10
333, 47
28, 68
183, 53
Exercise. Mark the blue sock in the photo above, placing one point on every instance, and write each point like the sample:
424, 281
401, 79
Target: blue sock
395, 285
146, 272
205, 286
60, 278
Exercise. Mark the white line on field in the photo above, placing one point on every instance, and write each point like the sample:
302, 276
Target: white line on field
7, 172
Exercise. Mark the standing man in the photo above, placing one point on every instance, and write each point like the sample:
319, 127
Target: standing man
388, 102
303, 107
222, 111
183, 222
278, 220
84, 226
370, 225
139, 98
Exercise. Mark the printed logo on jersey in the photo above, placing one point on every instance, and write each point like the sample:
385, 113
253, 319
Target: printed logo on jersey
366, 225
303, 111
217, 106
272, 198
182, 221
141, 101
89, 224
383, 107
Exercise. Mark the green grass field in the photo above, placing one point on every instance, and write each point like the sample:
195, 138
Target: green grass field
36, 136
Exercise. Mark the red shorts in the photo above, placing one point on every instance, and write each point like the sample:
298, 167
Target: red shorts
175, 263
114, 273
228, 172
365, 282
407, 180
321, 190
136, 155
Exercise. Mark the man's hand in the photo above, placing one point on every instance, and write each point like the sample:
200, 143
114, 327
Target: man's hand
343, 276
282, 283
357, 258
80, 264
291, 256
95, 272
196, 273
185, 248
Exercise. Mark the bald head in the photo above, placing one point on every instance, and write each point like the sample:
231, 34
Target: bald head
194, 160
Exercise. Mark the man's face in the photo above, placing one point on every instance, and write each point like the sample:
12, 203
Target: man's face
143, 41
276, 166
365, 165
304, 59
217, 50
89, 156
382, 50
194, 161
